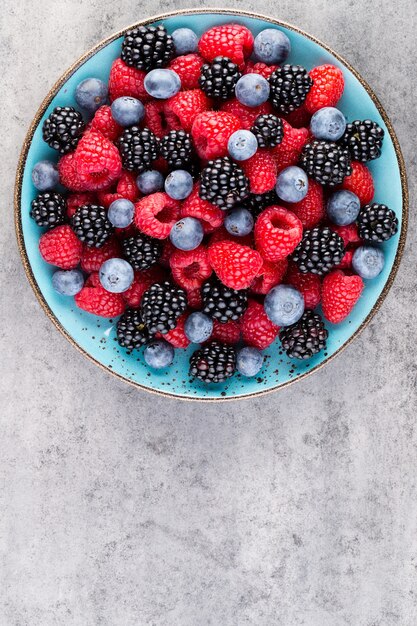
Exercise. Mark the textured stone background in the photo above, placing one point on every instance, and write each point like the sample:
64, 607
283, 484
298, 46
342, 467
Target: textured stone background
118, 508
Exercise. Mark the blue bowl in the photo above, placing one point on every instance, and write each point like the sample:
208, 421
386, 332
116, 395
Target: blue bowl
95, 337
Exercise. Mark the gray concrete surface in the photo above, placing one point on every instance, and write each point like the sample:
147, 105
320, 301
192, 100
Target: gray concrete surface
118, 508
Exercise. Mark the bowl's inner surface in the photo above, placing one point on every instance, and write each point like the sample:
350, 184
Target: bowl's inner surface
96, 336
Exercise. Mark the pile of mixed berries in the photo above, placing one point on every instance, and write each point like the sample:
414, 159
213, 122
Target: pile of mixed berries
219, 199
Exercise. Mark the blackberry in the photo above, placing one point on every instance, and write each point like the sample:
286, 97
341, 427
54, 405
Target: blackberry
162, 304
256, 203
290, 85
223, 183
218, 78
63, 128
319, 251
223, 303
177, 149
132, 331
91, 225
326, 162
147, 47
138, 148
268, 130
304, 338
141, 251
213, 363
49, 209
363, 140
376, 222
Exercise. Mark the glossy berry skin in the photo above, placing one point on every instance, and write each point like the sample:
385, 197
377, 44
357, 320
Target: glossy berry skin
292, 184
249, 361
162, 83
150, 182
185, 41
340, 293
127, 111
271, 46
68, 282
252, 90
239, 222
121, 213
368, 262
284, 305
328, 123
179, 184
116, 275
45, 175
343, 207
242, 145
198, 327
159, 354
187, 234
91, 94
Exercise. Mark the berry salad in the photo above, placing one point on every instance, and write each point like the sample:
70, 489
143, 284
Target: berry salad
212, 193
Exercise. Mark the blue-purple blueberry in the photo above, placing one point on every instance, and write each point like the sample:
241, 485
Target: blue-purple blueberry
162, 83
45, 175
179, 184
116, 275
292, 184
249, 361
127, 111
284, 305
239, 222
121, 213
185, 41
242, 145
68, 282
187, 233
150, 181
159, 354
252, 90
343, 207
368, 262
271, 46
328, 123
91, 94
198, 327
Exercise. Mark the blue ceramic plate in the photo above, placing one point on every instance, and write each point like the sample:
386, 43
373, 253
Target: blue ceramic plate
95, 337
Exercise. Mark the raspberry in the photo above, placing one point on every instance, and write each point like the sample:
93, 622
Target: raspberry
210, 215
97, 161
182, 109
68, 175
228, 40
247, 115
93, 258
277, 233
126, 188
221, 234
311, 210
359, 182
327, 89
156, 120
190, 268
156, 214
260, 68
348, 233
195, 300
176, 337
75, 200
339, 295
257, 329
211, 131
346, 262
142, 281
299, 118
126, 81
188, 69
94, 299
261, 170
104, 123
226, 333
236, 265
270, 274
61, 247
167, 250
288, 152
308, 284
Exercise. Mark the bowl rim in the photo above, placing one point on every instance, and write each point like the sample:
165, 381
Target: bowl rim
62, 80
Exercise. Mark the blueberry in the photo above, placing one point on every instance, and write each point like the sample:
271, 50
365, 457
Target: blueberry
242, 145
116, 275
91, 94
271, 46
121, 213
328, 123
292, 184
127, 111
252, 90
150, 181
45, 175
239, 222
284, 305
343, 207
179, 184
198, 327
159, 354
185, 41
162, 84
249, 361
68, 282
368, 262
187, 234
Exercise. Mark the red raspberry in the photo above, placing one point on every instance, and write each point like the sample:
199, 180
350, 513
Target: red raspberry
156, 214
311, 210
210, 215
156, 119
299, 118
236, 265
176, 337
190, 268
126, 81
360, 182
94, 299
226, 333
182, 109
97, 161
339, 295
221, 234
270, 274
104, 123
277, 233
348, 233
195, 301
211, 131
228, 40
125, 188
247, 115
260, 68
346, 262
142, 281
327, 88
188, 69
61, 247
75, 200
68, 175
93, 258
167, 250
308, 284
261, 171
288, 152
257, 328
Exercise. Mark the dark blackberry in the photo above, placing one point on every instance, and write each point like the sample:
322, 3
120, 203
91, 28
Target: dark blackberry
304, 338
162, 304
376, 222
177, 149
268, 130
326, 162
218, 78
138, 148
141, 251
91, 225
213, 363
223, 303
290, 85
49, 209
132, 331
223, 183
363, 140
256, 203
147, 47
319, 251
63, 128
